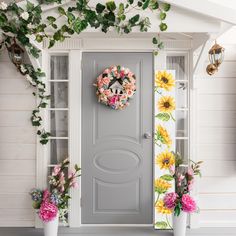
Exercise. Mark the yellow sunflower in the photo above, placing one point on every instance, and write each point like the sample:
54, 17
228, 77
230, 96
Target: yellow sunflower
165, 160
163, 135
161, 185
166, 104
160, 207
164, 80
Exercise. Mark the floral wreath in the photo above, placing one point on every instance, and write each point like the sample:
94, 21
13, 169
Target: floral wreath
115, 86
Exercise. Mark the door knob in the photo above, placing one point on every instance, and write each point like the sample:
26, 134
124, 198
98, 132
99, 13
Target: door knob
147, 136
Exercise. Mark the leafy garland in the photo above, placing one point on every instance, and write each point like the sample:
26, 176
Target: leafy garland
20, 24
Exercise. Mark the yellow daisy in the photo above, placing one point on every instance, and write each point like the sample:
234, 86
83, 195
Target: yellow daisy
164, 80
160, 207
161, 185
166, 104
165, 160
163, 135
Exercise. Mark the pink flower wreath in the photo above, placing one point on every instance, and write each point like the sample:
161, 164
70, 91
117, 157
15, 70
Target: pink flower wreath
115, 86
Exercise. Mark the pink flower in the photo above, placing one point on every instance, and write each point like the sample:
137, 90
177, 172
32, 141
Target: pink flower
46, 195
113, 100
106, 80
190, 172
74, 184
47, 211
190, 185
170, 200
172, 169
56, 170
122, 74
107, 92
188, 204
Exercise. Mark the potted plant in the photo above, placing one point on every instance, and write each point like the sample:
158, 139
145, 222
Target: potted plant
180, 201
52, 204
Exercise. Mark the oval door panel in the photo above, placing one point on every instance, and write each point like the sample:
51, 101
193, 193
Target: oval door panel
116, 161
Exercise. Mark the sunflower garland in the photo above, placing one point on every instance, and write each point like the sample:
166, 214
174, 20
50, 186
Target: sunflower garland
165, 158
166, 104
162, 136
164, 80
161, 186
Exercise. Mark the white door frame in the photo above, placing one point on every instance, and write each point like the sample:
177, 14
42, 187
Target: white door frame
74, 47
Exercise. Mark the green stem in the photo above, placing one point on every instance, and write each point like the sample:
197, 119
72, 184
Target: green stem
172, 116
168, 223
158, 196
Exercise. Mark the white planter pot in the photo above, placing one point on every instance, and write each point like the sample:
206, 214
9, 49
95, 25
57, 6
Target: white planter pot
179, 224
51, 227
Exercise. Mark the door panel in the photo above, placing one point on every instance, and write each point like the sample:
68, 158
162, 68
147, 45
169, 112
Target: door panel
116, 159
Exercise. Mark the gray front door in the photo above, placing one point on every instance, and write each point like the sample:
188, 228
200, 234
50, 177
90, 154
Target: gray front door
116, 157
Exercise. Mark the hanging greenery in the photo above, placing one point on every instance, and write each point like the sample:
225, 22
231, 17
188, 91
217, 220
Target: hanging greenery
24, 24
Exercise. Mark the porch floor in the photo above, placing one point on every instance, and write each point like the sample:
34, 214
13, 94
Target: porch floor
115, 231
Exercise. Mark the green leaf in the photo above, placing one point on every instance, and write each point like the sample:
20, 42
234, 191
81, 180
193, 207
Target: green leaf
161, 225
111, 6
166, 6
39, 38
154, 4
3, 18
61, 11
162, 15
154, 40
71, 17
146, 4
121, 9
163, 26
134, 19
29, 6
51, 43
163, 116
167, 177
51, 19
130, 1
79, 25
100, 8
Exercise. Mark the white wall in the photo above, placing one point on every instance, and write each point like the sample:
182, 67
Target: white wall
216, 145
17, 146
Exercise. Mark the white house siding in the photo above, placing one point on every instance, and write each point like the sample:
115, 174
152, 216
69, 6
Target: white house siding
17, 146
216, 143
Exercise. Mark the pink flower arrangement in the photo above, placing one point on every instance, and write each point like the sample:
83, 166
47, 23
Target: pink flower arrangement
47, 211
49, 203
188, 204
170, 200
110, 97
184, 175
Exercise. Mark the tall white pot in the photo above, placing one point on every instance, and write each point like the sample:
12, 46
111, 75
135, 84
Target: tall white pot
51, 227
179, 224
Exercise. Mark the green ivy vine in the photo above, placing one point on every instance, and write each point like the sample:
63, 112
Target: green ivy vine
20, 24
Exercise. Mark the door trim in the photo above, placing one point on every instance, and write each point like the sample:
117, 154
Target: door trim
75, 47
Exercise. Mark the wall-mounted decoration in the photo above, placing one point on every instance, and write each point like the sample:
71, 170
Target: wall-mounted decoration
216, 57
115, 87
164, 140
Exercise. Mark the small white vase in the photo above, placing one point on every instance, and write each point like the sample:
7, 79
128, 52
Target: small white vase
179, 224
51, 227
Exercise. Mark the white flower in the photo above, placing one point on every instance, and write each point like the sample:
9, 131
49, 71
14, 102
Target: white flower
40, 86
24, 15
28, 77
22, 68
3, 6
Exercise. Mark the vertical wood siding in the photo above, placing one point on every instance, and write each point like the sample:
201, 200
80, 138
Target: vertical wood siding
216, 122
17, 147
